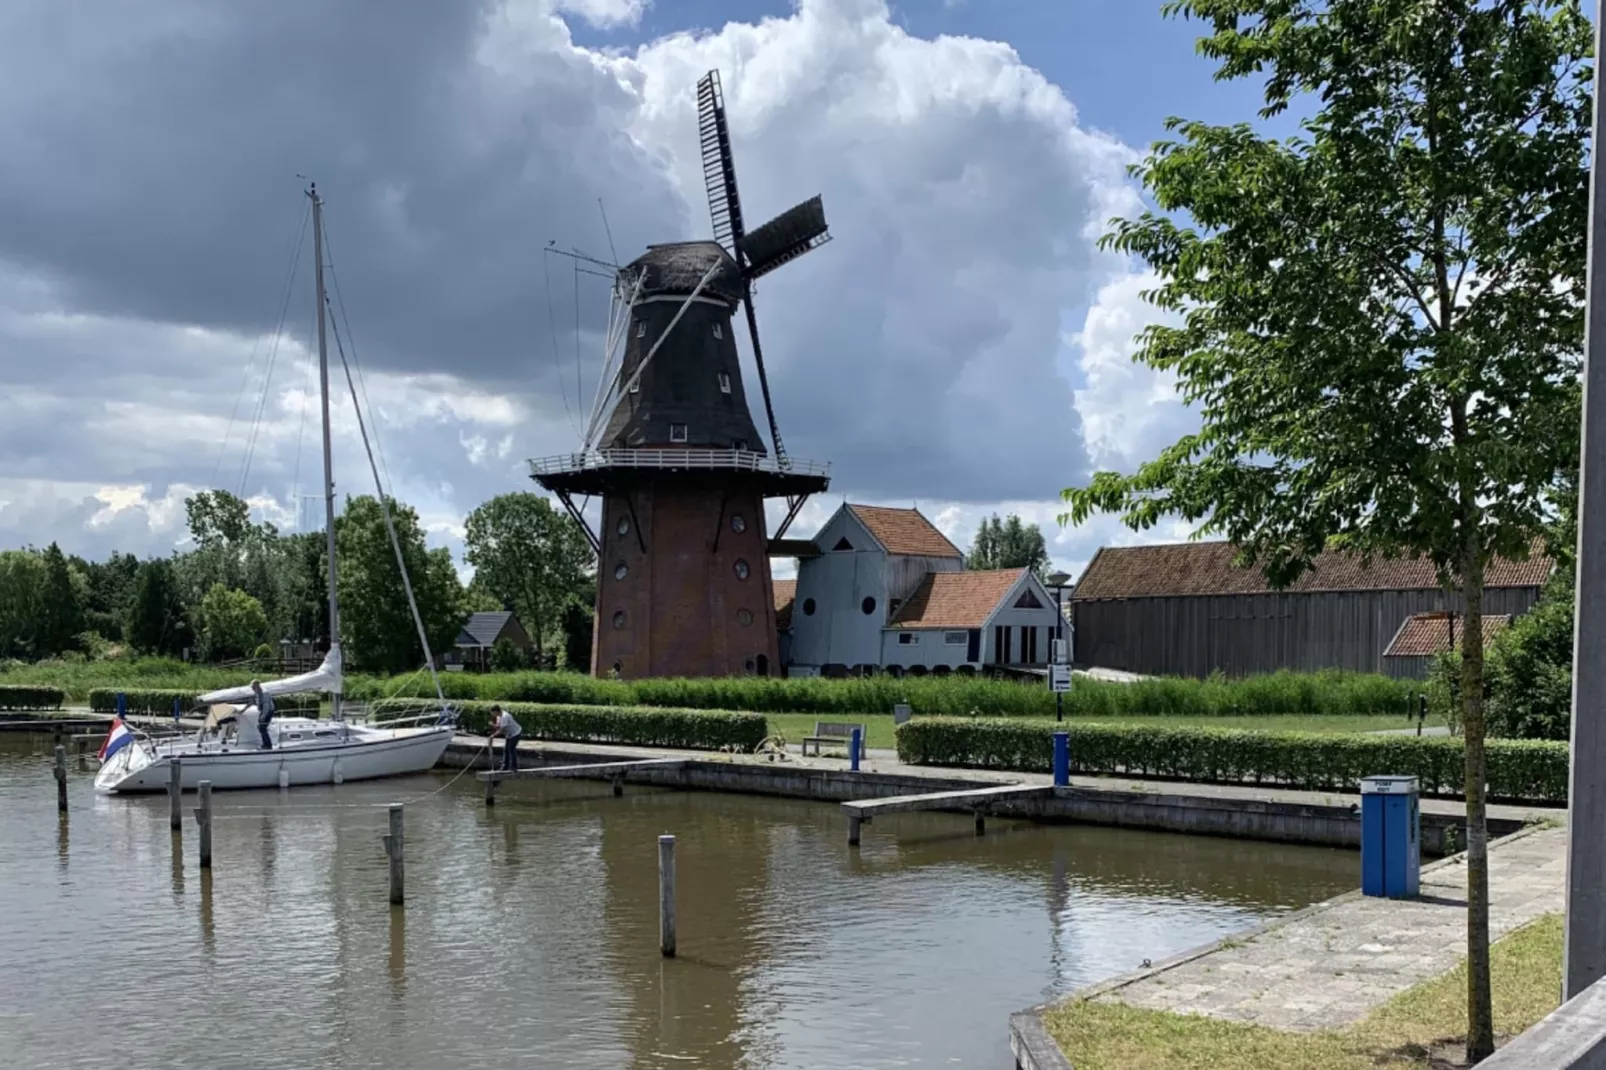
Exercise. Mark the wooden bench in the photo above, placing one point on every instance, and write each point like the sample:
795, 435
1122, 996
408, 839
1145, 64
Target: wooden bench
836, 732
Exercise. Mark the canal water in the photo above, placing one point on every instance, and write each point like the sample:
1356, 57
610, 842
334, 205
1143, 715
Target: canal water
529, 936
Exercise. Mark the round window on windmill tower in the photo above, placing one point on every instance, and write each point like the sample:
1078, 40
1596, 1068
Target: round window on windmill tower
619, 618
741, 570
738, 525
621, 570
808, 607
623, 527
868, 605
745, 618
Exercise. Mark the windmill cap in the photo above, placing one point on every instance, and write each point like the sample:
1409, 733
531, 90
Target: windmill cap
677, 268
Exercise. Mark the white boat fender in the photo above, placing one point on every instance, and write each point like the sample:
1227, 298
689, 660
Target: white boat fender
284, 776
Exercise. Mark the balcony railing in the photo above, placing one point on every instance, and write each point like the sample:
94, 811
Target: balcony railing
681, 460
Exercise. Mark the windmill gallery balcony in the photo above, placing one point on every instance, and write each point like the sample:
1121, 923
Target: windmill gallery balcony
590, 471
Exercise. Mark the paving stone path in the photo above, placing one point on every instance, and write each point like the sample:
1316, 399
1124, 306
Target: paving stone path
1328, 967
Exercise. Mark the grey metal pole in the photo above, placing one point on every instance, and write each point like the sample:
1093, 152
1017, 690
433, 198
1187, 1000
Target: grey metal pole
1059, 637
1584, 948
328, 459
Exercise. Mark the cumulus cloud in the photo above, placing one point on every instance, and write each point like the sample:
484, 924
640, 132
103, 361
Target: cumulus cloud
150, 205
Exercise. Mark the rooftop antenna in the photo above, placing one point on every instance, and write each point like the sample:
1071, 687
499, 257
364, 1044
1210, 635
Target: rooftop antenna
786, 237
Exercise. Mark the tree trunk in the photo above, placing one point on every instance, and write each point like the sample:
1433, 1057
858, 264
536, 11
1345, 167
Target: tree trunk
1480, 1011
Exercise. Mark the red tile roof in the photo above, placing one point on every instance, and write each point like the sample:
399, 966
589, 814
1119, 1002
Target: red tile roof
956, 599
904, 531
1206, 568
1427, 634
785, 595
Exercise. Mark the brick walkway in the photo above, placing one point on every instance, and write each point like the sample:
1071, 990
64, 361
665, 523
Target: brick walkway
1329, 966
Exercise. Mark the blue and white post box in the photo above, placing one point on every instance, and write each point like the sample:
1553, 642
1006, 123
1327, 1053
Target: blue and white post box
1391, 837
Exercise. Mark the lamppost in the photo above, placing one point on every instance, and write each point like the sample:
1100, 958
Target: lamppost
1058, 580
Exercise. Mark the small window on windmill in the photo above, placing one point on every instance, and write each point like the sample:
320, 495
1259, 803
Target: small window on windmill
641, 329
719, 332
635, 385
677, 432
724, 380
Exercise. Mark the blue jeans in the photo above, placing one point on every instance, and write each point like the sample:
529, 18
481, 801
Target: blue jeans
510, 754
262, 726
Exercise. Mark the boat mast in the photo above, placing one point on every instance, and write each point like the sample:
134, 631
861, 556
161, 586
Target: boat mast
328, 453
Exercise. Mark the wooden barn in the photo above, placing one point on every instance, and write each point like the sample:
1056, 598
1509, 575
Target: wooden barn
1186, 610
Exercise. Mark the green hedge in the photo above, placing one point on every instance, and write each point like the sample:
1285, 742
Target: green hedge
1526, 770
23, 697
1272, 693
688, 729
158, 701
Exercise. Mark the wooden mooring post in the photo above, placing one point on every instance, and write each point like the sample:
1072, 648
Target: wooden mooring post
81, 745
666, 896
203, 821
175, 795
61, 778
395, 850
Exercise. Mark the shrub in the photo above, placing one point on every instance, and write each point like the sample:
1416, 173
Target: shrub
1274, 693
688, 729
23, 697
1527, 770
158, 701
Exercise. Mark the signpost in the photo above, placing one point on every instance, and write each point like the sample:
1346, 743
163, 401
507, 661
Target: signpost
1059, 678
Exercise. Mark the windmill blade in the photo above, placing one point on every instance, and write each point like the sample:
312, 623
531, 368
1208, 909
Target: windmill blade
719, 170
785, 238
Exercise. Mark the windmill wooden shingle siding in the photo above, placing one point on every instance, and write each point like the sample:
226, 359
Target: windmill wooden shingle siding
671, 448
1186, 610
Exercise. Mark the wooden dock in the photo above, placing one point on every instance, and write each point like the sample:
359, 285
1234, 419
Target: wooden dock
975, 800
614, 771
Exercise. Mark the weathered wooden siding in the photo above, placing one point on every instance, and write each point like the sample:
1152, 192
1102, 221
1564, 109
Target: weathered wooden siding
905, 573
1243, 634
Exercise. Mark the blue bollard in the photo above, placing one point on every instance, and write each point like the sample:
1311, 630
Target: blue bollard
853, 751
122, 704
1062, 759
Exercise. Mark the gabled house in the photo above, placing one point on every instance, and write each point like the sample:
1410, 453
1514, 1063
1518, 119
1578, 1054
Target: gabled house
480, 634
882, 589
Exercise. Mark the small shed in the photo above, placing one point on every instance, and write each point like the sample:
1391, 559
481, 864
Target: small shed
480, 634
1424, 636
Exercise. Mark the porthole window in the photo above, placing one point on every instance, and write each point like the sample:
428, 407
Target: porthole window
808, 607
745, 618
623, 527
621, 570
868, 605
738, 525
619, 619
741, 570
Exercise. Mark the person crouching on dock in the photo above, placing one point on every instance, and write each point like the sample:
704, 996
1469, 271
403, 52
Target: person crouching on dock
503, 724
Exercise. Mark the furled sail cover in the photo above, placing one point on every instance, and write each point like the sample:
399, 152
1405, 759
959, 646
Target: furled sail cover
326, 677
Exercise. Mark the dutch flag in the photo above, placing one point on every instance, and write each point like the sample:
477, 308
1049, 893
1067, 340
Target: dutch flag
119, 737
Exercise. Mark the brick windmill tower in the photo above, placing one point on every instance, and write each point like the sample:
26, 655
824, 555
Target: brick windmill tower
683, 574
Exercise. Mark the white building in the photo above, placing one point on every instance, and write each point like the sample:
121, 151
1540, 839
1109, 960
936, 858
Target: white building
883, 590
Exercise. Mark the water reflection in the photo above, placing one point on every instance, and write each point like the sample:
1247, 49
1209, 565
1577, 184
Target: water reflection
531, 930
63, 830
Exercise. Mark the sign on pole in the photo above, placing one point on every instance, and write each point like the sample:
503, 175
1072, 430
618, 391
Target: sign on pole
1059, 678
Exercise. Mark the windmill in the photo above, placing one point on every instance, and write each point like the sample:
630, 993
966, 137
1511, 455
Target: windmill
683, 579
784, 238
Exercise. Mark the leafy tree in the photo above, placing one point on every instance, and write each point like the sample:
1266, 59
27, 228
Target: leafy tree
156, 619
530, 557
110, 592
22, 590
1381, 318
1008, 544
578, 625
232, 623
216, 516
507, 657
376, 626
61, 609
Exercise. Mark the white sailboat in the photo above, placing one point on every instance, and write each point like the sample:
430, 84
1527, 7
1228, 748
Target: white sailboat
228, 749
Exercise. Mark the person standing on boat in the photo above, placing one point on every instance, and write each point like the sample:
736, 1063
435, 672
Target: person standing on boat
264, 712
503, 724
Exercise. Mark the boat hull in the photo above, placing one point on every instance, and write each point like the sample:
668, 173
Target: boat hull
404, 751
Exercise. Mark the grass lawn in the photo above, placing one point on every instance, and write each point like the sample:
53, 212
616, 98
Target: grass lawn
794, 726
1422, 1028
